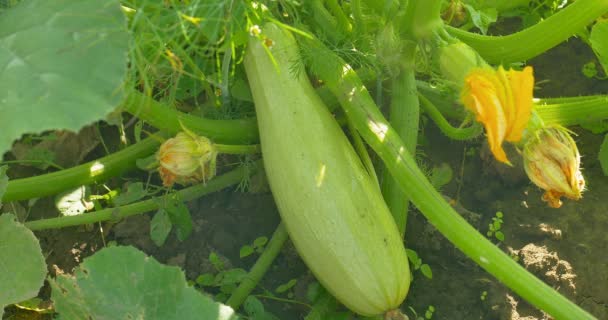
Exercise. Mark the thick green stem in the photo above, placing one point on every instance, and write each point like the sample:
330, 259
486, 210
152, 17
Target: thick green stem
383, 139
404, 115
446, 128
537, 39
573, 113
421, 18
259, 268
164, 117
90, 172
191, 193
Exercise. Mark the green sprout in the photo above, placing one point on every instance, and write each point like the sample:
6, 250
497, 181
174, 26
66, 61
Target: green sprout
494, 228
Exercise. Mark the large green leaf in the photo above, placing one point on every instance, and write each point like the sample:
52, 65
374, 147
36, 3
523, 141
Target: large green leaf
599, 43
123, 283
22, 266
62, 65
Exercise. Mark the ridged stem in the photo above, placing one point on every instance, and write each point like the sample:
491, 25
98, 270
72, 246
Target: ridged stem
530, 42
446, 128
383, 139
576, 112
187, 194
164, 117
257, 271
404, 115
90, 172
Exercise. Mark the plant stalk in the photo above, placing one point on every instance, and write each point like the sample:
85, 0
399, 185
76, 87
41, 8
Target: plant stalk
165, 118
187, 194
404, 113
446, 128
533, 41
90, 172
260, 267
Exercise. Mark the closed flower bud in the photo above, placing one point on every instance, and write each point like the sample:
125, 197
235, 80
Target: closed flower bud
552, 162
186, 158
457, 60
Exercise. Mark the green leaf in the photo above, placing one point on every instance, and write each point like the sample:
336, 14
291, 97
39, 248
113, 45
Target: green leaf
260, 242
482, 18
215, 261
603, 155
246, 251
598, 36
135, 191
426, 271
205, 279
413, 257
589, 70
160, 226
499, 235
123, 283
21, 261
253, 306
180, 217
60, 68
286, 286
232, 276
441, 175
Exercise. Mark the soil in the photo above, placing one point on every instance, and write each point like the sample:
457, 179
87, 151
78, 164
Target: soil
566, 247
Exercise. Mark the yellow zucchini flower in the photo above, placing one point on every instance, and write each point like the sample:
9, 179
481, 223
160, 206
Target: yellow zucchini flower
502, 102
552, 162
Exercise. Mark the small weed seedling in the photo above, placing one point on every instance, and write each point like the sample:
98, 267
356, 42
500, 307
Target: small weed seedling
494, 228
417, 263
226, 280
256, 247
428, 314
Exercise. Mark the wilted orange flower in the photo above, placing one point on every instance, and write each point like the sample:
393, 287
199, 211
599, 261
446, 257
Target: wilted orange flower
502, 101
552, 162
186, 158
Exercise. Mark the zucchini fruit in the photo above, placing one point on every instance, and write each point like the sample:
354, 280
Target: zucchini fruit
333, 210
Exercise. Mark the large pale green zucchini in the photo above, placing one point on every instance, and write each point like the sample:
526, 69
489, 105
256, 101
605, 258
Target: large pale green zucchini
333, 212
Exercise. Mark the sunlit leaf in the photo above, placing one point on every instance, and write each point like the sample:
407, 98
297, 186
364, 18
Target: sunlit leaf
60, 68
123, 283
73, 202
21, 261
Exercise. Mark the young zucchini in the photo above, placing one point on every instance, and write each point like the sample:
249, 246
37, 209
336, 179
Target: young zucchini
333, 212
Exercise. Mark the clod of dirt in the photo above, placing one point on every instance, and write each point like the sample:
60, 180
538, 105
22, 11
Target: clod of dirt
549, 267
135, 231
